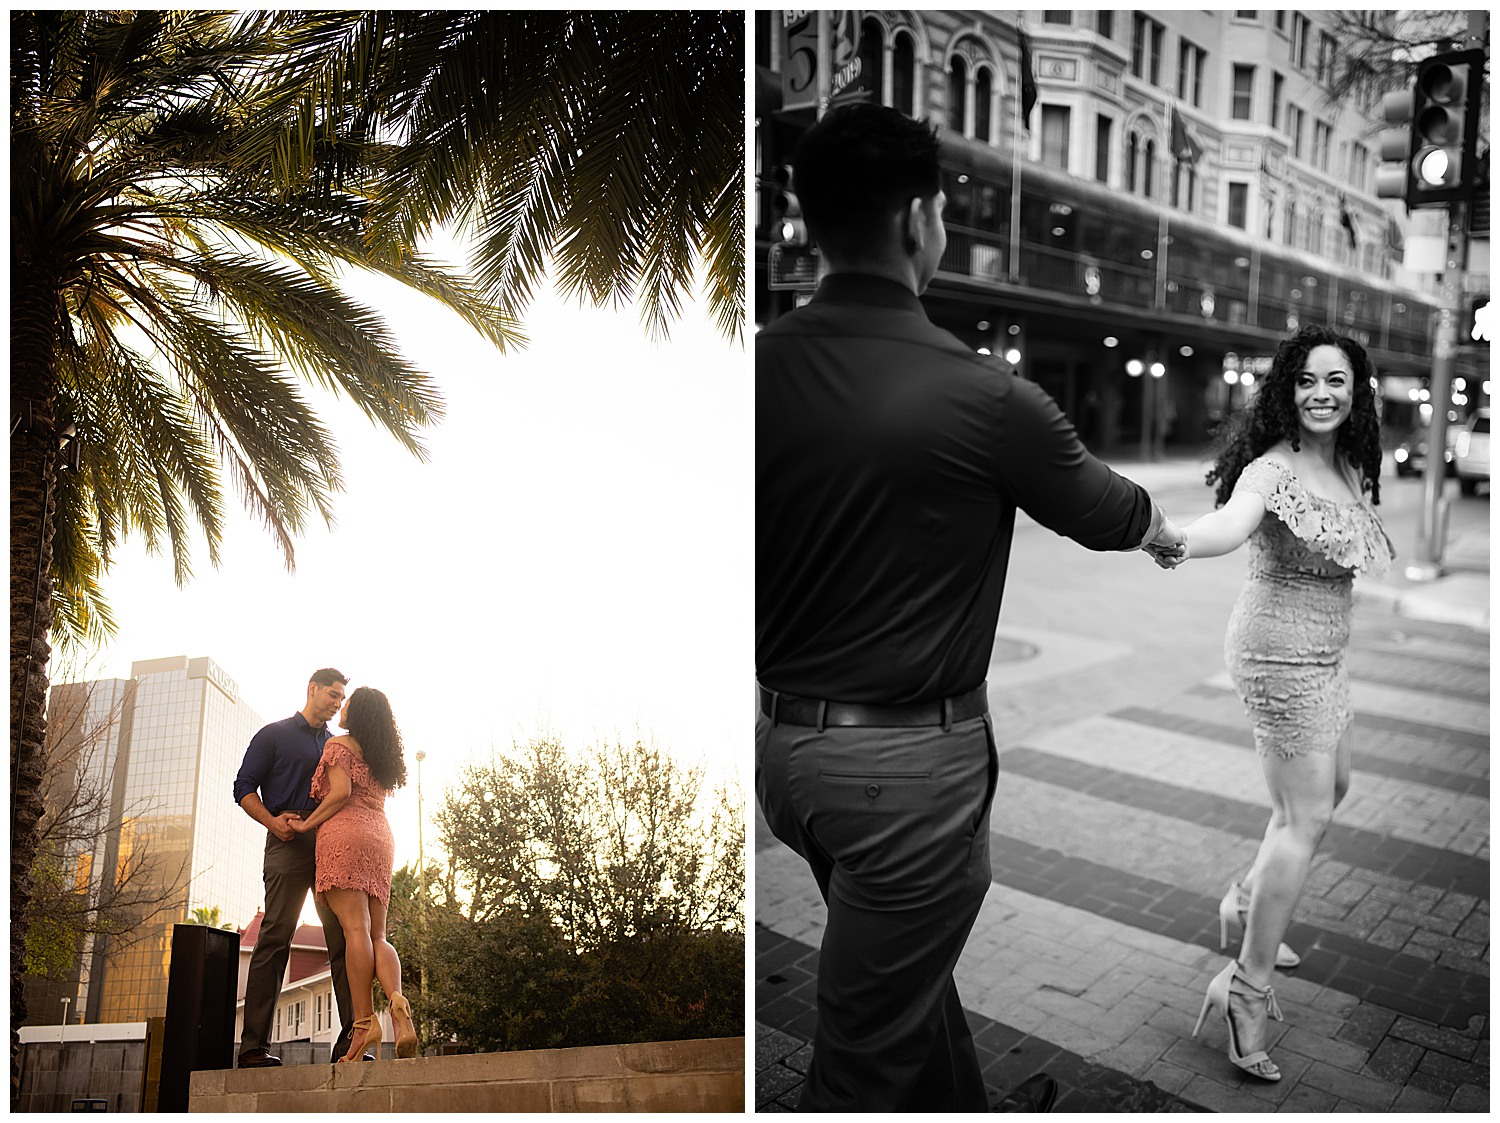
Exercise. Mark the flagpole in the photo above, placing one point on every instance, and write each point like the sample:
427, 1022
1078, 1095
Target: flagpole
1161, 229
1015, 173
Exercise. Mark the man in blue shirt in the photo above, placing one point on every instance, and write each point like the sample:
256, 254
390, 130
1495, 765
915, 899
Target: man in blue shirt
274, 785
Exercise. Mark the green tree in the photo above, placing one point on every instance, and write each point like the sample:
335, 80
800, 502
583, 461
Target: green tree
210, 915
169, 291
588, 899
607, 144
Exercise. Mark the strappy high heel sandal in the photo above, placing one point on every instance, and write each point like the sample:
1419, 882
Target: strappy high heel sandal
371, 1043
1232, 909
1232, 981
406, 1027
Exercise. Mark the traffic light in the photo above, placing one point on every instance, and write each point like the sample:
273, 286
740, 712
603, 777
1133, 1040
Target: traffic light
1395, 145
787, 226
1444, 129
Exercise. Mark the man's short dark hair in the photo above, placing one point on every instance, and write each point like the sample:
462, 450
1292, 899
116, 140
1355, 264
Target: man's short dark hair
858, 166
327, 676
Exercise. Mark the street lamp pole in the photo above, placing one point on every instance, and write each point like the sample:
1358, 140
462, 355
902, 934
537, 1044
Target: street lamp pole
421, 877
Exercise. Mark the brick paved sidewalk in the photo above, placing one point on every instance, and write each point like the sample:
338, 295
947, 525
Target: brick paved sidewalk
1115, 832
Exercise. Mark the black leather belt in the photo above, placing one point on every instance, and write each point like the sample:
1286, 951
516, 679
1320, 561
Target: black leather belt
788, 709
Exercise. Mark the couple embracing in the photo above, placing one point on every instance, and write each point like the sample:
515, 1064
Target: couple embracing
321, 799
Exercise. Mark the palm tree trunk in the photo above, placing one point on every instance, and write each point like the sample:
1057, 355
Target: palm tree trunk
35, 325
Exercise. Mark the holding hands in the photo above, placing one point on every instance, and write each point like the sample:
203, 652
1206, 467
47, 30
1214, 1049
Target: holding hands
1169, 548
287, 826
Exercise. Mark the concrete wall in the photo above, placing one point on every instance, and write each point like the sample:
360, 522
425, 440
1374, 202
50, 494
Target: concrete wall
706, 1075
55, 1074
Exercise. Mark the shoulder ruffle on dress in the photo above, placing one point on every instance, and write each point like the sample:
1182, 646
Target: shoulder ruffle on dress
1348, 534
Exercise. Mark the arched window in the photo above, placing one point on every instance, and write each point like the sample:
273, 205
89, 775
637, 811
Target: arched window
1289, 231
958, 81
983, 86
1132, 160
904, 74
1148, 173
1315, 231
872, 58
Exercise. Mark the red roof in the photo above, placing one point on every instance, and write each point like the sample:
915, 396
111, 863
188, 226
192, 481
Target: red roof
309, 947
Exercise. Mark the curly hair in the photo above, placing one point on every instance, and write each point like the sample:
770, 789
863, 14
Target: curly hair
369, 722
1272, 417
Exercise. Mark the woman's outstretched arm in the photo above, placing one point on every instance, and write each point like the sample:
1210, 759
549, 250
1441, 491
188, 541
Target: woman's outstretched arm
1225, 530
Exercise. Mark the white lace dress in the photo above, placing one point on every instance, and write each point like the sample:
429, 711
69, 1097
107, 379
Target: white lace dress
1285, 644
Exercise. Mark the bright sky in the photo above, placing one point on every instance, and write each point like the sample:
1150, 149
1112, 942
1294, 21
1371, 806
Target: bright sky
575, 556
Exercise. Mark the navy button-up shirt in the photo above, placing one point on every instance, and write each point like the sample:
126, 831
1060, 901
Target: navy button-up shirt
280, 763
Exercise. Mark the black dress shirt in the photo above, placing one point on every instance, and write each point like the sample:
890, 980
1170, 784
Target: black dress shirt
890, 460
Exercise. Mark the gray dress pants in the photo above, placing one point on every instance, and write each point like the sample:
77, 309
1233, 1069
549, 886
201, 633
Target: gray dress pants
288, 872
894, 824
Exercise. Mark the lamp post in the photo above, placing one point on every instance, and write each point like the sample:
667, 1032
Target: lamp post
62, 1029
421, 877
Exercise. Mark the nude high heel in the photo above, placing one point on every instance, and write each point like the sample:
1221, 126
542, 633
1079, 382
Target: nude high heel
406, 1028
1232, 909
1231, 981
371, 1043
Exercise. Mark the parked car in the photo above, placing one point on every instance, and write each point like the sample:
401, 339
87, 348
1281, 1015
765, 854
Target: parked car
1472, 452
1411, 454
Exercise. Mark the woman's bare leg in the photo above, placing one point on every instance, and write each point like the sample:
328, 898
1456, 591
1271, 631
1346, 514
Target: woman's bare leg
352, 908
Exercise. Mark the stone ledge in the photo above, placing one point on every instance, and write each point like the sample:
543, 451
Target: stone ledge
700, 1075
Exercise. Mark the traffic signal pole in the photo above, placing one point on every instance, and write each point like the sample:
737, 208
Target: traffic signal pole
1433, 527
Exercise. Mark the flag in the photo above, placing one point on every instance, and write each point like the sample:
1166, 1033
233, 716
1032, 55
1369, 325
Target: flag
1346, 220
1185, 149
1028, 81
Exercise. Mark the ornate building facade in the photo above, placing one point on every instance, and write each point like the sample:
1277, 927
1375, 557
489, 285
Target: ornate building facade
1129, 193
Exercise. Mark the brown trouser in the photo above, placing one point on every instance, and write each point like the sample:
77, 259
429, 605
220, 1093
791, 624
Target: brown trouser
288, 871
895, 826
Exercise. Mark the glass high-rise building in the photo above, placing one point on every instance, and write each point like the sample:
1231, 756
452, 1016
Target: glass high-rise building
165, 745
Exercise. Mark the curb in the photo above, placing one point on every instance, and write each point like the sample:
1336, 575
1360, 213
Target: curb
1442, 602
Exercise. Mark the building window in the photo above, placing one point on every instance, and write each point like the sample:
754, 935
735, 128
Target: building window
1327, 52
1250, 14
1105, 24
1294, 117
1104, 127
1148, 170
1056, 121
1298, 48
1289, 230
1185, 186
1191, 62
958, 81
318, 1014
1132, 160
1064, 17
1278, 92
983, 85
1315, 230
872, 58
1322, 142
1239, 199
1280, 14
904, 74
1145, 49
1359, 166
1243, 97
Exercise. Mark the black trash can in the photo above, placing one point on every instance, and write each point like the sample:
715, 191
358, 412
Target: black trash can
199, 1030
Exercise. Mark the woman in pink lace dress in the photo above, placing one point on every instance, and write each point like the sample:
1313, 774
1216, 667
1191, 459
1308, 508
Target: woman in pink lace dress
355, 855
1298, 479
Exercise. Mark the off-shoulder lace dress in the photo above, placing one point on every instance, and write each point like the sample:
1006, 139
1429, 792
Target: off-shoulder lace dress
1285, 644
355, 849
